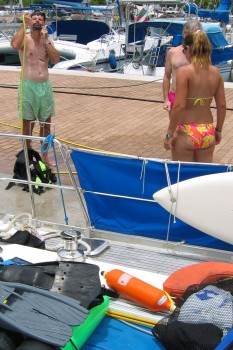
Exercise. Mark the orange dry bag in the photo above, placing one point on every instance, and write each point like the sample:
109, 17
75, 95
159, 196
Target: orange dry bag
138, 291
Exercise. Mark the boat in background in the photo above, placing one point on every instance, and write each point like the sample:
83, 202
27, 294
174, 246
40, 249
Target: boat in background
153, 62
8, 56
80, 44
88, 43
220, 13
142, 49
139, 48
85, 40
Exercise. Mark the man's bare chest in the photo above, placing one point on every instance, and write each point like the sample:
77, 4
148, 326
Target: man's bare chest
178, 61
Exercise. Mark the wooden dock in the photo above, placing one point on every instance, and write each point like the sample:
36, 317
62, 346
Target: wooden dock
105, 112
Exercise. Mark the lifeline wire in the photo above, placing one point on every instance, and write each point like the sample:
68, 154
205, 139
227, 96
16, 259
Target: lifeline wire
22, 75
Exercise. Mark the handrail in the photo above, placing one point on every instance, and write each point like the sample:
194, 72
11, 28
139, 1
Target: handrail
30, 183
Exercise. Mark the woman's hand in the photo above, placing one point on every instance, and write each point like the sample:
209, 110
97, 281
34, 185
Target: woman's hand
168, 143
167, 105
218, 137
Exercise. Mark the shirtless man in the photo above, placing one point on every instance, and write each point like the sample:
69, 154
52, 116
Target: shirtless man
38, 99
175, 59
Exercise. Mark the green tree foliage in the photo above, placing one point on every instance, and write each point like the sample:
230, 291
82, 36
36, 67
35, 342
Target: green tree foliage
98, 2
4, 2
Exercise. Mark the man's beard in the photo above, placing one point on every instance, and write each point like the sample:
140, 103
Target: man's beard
37, 26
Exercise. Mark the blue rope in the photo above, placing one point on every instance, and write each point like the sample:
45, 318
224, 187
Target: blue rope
49, 141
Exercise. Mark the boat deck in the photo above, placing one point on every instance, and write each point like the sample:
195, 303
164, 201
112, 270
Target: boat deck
111, 114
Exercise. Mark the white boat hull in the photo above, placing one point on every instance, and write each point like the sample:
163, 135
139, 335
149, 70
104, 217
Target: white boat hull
226, 70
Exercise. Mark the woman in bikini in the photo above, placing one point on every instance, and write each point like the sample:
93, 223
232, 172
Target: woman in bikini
191, 134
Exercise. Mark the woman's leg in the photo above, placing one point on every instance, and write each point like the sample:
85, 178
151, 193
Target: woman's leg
204, 155
183, 149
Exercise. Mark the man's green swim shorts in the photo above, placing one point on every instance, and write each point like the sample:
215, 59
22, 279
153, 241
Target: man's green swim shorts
37, 101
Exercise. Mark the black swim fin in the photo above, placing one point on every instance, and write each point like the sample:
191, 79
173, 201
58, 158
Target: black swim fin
77, 280
39, 314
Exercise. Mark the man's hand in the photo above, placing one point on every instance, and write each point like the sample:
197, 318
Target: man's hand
27, 19
44, 33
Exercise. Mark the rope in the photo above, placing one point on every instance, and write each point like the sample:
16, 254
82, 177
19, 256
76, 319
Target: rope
49, 141
177, 190
172, 199
143, 174
16, 224
71, 143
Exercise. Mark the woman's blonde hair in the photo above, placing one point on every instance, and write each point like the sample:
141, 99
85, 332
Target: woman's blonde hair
200, 48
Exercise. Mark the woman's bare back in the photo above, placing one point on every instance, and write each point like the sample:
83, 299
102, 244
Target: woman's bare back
203, 84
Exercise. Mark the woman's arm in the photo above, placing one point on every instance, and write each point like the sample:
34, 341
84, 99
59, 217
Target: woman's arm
182, 81
220, 101
167, 80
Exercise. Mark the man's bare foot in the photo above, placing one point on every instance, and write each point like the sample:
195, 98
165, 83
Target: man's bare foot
47, 161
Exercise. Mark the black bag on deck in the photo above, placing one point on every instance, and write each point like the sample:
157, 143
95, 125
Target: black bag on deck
40, 172
25, 238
